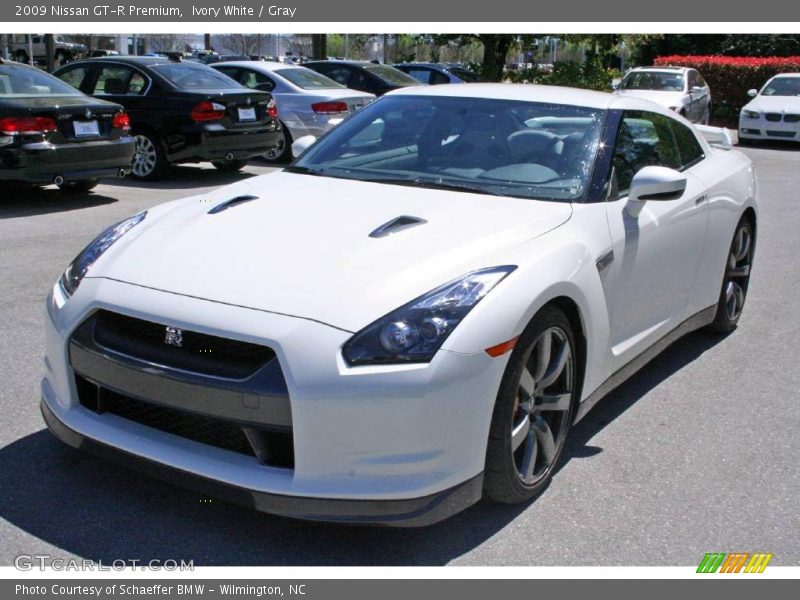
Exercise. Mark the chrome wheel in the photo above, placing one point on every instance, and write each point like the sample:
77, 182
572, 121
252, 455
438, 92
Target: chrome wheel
541, 412
280, 152
738, 272
145, 158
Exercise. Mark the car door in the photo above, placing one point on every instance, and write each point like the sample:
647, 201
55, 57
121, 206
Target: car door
657, 245
124, 85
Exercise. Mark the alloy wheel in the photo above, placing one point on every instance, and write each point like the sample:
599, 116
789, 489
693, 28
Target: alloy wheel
542, 407
737, 276
145, 158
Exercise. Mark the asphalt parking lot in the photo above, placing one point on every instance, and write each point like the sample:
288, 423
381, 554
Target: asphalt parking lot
697, 453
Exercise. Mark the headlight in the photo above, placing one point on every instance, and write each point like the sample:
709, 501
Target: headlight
77, 269
750, 114
416, 331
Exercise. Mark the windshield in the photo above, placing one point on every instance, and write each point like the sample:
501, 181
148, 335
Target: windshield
653, 80
501, 147
18, 82
307, 79
782, 86
391, 75
193, 76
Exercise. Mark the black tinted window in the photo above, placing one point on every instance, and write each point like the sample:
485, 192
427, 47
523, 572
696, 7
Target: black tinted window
690, 149
643, 139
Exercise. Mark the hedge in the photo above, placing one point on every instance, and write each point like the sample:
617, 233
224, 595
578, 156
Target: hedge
731, 76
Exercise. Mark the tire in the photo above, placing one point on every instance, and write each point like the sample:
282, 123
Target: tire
150, 160
736, 280
526, 440
229, 166
283, 151
81, 185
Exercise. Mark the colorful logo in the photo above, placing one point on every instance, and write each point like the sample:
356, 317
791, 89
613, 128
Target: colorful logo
734, 562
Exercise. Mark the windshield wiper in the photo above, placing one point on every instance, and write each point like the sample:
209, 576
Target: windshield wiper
303, 170
436, 184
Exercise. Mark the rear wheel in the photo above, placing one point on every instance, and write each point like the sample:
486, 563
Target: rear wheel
282, 152
149, 160
534, 410
81, 185
736, 280
229, 165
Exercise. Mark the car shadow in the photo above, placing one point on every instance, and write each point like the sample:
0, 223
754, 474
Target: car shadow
21, 201
186, 177
780, 145
99, 511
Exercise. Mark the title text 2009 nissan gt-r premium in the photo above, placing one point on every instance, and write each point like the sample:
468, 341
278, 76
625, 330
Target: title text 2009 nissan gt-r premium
414, 313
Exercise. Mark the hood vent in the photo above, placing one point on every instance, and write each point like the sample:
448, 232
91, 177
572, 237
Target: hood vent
231, 203
395, 225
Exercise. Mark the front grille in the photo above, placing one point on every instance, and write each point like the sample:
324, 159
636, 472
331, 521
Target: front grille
773, 117
781, 134
791, 118
197, 352
274, 448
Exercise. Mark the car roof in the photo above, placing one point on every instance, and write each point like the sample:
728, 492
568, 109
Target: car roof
664, 69
14, 63
265, 65
786, 75
355, 63
138, 60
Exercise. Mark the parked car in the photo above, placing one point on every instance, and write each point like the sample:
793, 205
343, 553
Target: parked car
391, 328
364, 76
435, 73
181, 112
308, 102
52, 133
678, 88
63, 51
774, 111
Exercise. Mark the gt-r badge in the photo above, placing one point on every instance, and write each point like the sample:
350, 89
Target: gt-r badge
174, 337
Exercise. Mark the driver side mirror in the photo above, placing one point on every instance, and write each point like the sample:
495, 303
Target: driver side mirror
302, 144
696, 89
657, 183
752, 93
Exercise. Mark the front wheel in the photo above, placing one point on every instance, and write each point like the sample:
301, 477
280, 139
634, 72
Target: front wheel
149, 160
534, 410
81, 185
736, 280
280, 153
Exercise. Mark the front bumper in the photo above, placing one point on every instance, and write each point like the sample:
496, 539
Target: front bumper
761, 129
41, 162
399, 445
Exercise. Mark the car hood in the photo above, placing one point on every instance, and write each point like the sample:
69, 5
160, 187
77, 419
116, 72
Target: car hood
303, 247
775, 104
666, 99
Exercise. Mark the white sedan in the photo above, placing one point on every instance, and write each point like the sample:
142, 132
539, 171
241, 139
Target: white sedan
681, 89
774, 111
414, 313
308, 102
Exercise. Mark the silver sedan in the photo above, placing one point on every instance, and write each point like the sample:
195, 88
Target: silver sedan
308, 102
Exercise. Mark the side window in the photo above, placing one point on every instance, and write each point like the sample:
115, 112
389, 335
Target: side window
700, 81
340, 74
137, 85
255, 80
691, 151
421, 75
644, 139
231, 72
692, 79
75, 76
112, 80
438, 78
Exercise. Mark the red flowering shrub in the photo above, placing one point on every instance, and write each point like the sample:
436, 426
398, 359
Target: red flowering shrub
731, 76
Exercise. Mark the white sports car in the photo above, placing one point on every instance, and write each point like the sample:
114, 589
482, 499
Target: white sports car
414, 313
774, 111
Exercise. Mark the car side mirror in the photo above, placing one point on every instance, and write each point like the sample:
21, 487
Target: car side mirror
752, 93
302, 144
696, 89
657, 183
615, 85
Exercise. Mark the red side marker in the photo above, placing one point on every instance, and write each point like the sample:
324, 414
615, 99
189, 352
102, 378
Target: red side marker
501, 349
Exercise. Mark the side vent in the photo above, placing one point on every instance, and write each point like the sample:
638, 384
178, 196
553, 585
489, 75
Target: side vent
395, 225
231, 203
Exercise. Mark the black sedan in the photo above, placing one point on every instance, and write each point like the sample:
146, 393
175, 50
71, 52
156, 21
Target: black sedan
52, 133
364, 76
181, 112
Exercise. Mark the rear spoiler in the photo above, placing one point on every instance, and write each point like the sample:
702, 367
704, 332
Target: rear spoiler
719, 137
